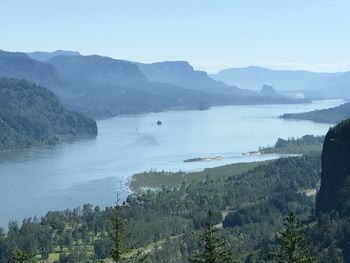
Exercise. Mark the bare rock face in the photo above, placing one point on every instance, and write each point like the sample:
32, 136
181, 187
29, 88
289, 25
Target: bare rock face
334, 194
268, 90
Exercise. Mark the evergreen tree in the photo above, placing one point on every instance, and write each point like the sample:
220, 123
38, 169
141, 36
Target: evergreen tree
120, 237
21, 256
293, 247
213, 246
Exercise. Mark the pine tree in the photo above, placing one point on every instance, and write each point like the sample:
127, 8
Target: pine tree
21, 256
120, 237
293, 247
213, 246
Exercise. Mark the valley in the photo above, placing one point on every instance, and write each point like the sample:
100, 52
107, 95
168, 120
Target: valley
94, 169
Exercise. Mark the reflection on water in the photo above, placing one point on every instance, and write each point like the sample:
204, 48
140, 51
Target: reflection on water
94, 170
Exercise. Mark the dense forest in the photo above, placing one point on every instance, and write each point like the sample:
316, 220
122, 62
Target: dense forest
303, 145
249, 206
31, 115
254, 211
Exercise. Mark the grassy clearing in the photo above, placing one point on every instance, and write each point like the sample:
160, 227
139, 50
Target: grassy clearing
158, 179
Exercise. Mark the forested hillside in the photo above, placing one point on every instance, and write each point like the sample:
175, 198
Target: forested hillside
31, 115
250, 206
331, 115
303, 145
20, 66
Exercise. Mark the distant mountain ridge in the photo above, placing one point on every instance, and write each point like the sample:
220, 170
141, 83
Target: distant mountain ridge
21, 66
254, 77
31, 115
43, 56
97, 71
338, 86
104, 87
182, 74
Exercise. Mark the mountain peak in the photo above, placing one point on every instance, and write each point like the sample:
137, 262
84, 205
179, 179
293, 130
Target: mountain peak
44, 56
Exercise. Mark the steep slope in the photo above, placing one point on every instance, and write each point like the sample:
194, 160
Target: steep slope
106, 87
283, 80
331, 115
43, 56
21, 66
334, 193
31, 115
103, 87
182, 74
88, 71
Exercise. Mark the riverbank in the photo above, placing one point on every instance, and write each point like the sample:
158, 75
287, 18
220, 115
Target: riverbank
94, 170
154, 179
159, 179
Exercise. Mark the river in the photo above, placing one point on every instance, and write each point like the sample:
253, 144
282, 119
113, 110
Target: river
72, 173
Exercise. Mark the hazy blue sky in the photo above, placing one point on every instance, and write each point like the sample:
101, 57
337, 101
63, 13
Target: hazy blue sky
210, 34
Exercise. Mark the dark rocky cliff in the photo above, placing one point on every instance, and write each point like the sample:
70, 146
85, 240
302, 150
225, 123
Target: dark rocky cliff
334, 193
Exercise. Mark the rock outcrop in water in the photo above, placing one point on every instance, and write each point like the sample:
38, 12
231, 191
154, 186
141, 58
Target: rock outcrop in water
31, 115
268, 90
334, 193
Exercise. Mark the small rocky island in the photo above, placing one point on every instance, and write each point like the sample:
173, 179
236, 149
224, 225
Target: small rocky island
202, 159
252, 153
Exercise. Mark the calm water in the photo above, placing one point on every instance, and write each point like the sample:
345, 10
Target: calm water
94, 170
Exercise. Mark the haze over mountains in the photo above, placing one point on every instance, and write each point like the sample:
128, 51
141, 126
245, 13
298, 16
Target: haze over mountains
43, 56
254, 77
312, 84
103, 87
337, 86
21, 66
182, 74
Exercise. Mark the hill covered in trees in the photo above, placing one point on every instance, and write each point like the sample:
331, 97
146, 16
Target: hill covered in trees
20, 66
101, 86
331, 115
303, 145
249, 205
31, 115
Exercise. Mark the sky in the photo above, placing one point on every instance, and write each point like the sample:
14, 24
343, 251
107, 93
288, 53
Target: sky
210, 34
